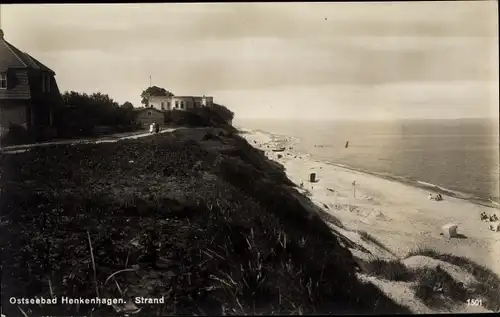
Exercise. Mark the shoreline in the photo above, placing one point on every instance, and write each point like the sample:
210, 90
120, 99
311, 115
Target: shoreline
396, 213
433, 188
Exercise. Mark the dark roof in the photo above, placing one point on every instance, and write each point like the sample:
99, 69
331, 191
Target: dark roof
12, 57
142, 109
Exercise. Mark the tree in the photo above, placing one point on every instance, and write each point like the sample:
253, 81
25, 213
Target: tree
127, 105
154, 91
126, 113
224, 113
87, 111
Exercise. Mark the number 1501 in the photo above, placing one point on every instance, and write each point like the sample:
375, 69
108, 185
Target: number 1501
474, 302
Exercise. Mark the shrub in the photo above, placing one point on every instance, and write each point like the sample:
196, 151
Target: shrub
433, 286
488, 282
392, 270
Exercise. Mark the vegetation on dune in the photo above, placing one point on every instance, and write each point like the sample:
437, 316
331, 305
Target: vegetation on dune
215, 116
434, 286
209, 224
365, 236
392, 270
488, 286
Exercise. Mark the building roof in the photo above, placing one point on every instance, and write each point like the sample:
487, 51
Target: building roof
12, 57
168, 97
143, 109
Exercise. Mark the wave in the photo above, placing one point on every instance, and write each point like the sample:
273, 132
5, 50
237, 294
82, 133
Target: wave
485, 201
437, 187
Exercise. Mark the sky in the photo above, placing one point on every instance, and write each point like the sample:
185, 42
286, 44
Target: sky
364, 60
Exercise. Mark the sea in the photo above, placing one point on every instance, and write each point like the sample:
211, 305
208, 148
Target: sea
459, 157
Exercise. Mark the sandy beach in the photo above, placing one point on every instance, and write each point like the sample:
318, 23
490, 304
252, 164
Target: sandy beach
398, 215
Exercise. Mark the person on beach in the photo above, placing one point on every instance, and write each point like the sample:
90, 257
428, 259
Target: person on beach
430, 197
151, 127
157, 128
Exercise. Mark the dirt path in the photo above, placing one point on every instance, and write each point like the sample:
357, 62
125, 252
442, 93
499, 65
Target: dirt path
105, 139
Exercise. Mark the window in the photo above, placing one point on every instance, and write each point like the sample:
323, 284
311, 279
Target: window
162, 105
43, 78
168, 105
150, 113
47, 83
176, 104
3, 81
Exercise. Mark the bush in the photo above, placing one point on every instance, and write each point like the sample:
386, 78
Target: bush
186, 118
392, 270
488, 282
435, 285
365, 236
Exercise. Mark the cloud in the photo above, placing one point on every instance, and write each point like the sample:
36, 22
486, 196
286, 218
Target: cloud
402, 100
63, 27
290, 47
264, 63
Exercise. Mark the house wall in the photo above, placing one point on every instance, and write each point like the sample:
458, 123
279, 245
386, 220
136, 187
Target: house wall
22, 87
157, 100
207, 101
17, 85
13, 112
148, 116
182, 102
49, 92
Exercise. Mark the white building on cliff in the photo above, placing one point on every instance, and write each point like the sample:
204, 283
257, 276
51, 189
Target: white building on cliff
182, 103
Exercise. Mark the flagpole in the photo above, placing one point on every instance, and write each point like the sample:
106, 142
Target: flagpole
149, 95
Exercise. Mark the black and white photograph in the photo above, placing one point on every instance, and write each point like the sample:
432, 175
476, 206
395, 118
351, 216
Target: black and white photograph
249, 158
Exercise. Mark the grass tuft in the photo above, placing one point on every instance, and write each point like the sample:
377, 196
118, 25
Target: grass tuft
365, 236
93, 264
488, 287
435, 288
392, 270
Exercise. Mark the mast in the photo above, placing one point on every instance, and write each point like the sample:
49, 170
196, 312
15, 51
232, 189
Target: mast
1, 31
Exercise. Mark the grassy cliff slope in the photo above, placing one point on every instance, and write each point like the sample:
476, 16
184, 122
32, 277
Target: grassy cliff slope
197, 216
